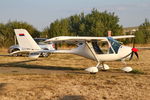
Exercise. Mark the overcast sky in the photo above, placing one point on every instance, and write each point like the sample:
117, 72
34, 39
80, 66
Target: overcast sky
40, 13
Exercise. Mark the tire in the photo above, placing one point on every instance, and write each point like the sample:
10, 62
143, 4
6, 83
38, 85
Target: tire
16, 49
45, 54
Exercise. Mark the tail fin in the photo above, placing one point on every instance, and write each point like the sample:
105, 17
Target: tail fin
25, 40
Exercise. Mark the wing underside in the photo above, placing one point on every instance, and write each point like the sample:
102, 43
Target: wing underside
76, 38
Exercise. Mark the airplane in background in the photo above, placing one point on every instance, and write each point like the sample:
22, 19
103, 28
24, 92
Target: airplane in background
39, 41
99, 49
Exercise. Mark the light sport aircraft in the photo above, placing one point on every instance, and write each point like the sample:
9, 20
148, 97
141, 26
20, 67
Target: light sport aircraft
88, 47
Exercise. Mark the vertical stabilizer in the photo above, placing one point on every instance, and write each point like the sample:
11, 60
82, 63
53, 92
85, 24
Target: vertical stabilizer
25, 41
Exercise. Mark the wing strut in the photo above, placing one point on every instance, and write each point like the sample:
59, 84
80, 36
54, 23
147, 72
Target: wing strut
92, 50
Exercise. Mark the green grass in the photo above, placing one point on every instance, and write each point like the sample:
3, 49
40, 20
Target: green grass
136, 71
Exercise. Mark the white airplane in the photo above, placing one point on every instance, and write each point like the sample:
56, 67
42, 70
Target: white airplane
88, 47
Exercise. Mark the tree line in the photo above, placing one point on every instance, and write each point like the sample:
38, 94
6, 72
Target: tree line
7, 32
95, 23
143, 33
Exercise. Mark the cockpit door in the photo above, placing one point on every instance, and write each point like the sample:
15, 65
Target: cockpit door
102, 47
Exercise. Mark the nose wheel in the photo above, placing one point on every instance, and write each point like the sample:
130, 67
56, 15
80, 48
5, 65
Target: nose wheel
126, 68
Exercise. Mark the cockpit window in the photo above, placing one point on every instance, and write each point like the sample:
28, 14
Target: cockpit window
101, 47
115, 44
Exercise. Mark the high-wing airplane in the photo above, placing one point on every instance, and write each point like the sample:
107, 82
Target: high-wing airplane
99, 49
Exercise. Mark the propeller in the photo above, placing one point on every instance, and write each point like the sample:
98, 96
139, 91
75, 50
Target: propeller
134, 51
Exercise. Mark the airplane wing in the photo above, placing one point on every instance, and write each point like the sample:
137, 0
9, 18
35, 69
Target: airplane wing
82, 38
123, 37
35, 51
18, 52
32, 53
74, 38
22, 51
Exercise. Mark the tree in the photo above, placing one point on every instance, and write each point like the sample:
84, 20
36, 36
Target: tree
140, 38
24, 25
101, 22
45, 32
7, 32
93, 24
143, 33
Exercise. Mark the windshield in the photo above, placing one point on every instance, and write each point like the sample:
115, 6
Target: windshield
115, 44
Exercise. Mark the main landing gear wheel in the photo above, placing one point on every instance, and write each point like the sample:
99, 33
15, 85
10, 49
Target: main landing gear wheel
14, 50
92, 70
44, 54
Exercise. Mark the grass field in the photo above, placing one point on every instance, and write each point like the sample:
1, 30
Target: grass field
62, 77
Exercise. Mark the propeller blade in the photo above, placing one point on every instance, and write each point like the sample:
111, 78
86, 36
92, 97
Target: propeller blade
131, 56
136, 55
134, 43
134, 51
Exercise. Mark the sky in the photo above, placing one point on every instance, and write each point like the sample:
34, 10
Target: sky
40, 13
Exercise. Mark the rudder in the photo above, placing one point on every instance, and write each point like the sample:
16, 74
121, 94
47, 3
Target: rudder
25, 41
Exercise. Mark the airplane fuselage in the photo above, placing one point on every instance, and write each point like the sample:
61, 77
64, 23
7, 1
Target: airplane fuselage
88, 52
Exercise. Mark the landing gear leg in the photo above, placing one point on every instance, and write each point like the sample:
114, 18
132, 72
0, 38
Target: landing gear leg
124, 62
93, 70
103, 67
98, 64
126, 68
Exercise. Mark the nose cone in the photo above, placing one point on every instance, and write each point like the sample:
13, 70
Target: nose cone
134, 49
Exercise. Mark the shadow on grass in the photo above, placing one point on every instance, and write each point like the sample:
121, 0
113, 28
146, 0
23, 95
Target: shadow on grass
22, 64
2, 85
73, 97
